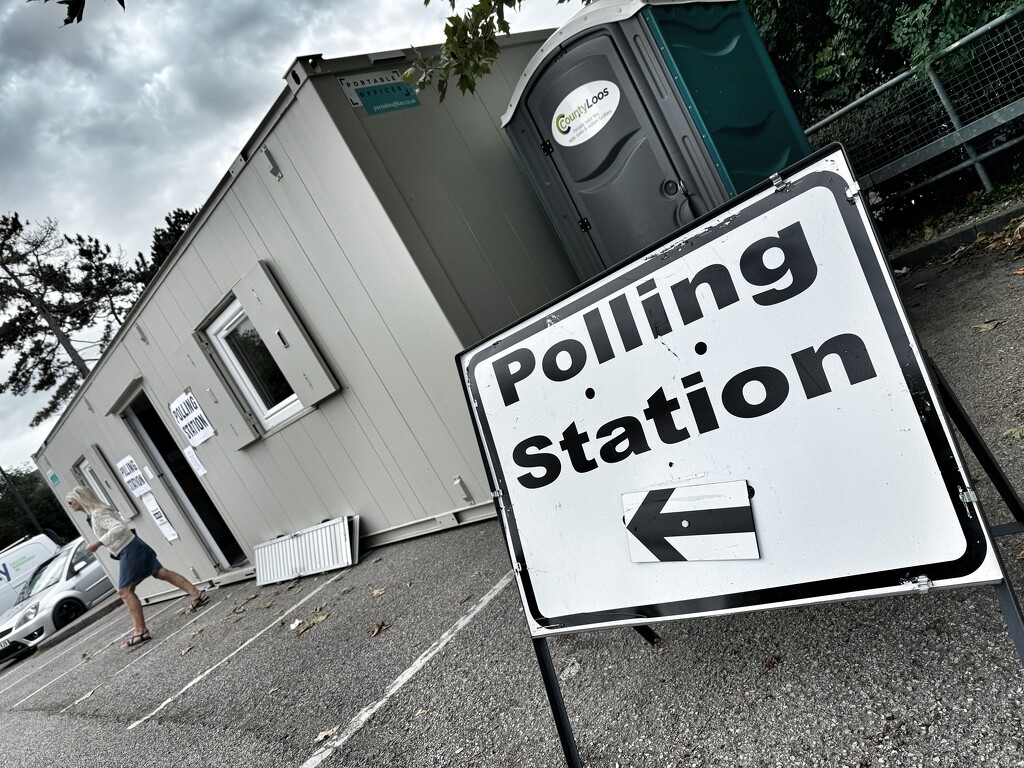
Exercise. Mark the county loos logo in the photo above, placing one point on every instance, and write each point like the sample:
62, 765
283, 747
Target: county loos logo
584, 112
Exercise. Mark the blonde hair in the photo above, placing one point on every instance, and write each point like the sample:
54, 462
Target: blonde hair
87, 498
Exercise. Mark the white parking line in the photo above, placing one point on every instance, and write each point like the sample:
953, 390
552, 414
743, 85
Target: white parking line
47, 663
69, 671
267, 628
366, 713
139, 656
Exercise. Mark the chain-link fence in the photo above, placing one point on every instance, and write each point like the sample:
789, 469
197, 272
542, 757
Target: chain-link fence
961, 108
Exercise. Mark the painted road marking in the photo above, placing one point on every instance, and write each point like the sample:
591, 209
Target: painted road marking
366, 713
75, 645
267, 628
139, 656
69, 671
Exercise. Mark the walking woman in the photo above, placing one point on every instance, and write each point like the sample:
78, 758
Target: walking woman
136, 558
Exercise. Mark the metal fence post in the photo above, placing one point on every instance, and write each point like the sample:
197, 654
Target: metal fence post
940, 89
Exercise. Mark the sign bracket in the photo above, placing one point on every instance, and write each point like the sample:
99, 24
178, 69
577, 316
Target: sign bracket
981, 452
1008, 603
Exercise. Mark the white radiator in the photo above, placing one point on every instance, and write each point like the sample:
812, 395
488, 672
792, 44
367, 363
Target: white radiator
324, 547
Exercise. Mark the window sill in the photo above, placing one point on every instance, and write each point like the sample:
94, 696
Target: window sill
282, 425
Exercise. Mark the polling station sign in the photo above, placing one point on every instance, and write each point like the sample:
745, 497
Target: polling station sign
191, 420
739, 419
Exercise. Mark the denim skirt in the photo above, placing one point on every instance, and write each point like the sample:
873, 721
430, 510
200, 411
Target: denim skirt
138, 562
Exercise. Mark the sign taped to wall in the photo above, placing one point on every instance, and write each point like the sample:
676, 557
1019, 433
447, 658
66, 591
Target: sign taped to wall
739, 419
191, 420
132, 476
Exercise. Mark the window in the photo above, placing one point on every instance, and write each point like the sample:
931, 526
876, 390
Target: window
88, 474
82, 555
252, 367
259, 349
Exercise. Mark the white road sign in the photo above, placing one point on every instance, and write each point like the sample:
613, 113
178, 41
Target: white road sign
736, 420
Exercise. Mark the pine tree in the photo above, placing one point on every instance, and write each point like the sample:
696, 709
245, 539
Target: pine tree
164, 240
61, 300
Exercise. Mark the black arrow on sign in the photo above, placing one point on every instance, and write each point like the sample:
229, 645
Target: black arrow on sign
651, 526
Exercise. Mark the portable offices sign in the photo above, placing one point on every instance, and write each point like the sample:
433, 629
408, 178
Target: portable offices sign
378, 92
765, 350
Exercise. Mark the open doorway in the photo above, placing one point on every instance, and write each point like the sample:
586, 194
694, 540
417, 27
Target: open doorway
182, 481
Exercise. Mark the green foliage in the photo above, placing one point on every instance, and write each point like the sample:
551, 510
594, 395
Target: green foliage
470, 47
62, 298
164, 240
829, 54
41, 502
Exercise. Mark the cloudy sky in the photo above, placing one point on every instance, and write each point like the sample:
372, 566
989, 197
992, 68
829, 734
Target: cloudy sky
108, 125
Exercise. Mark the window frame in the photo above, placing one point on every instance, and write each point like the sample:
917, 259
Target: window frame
219, 328
87, 473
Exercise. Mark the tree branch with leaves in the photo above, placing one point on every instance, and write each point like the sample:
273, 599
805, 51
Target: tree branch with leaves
470, 46
62, 299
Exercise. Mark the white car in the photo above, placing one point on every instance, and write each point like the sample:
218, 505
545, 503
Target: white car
60, 590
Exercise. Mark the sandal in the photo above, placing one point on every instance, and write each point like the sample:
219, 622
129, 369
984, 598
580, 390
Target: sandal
199, 602
137, 638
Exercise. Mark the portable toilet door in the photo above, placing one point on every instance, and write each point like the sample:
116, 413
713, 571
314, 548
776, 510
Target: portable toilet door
612, 138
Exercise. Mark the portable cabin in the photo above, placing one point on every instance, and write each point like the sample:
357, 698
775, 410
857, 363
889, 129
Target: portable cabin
293, 360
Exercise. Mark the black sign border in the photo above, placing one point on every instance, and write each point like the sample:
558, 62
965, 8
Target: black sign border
900, 337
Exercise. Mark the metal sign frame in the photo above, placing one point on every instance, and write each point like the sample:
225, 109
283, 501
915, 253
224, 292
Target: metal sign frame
976, 565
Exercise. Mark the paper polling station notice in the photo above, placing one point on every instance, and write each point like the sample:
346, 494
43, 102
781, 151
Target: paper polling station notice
738, 419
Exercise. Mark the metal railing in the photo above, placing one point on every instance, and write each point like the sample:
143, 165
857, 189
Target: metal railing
963, 106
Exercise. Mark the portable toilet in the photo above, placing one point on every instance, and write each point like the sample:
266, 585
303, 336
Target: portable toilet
637, 117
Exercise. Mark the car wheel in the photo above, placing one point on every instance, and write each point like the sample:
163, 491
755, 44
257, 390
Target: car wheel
66, 612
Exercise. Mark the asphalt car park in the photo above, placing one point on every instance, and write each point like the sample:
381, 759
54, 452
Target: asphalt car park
59, 591
419, 656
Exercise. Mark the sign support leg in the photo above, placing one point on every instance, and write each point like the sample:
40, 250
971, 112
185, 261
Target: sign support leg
1010, 607
650, 636
1008, 603
981, 451
562, 724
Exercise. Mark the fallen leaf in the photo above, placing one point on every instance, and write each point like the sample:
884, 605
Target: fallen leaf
987, 325
198, 632
1019, 271
378, 628
307, 625
186, 650
772, 660
346, 590
1017, 433
272, 691
377, 560
240, 608
919, 286
901, 271
1019, 555
379, 592
269, 605
421, 712
326, 734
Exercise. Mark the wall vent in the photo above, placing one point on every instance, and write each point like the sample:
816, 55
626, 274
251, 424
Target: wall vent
325, 547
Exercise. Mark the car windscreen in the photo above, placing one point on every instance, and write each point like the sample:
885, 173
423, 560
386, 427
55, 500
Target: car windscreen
45, 576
